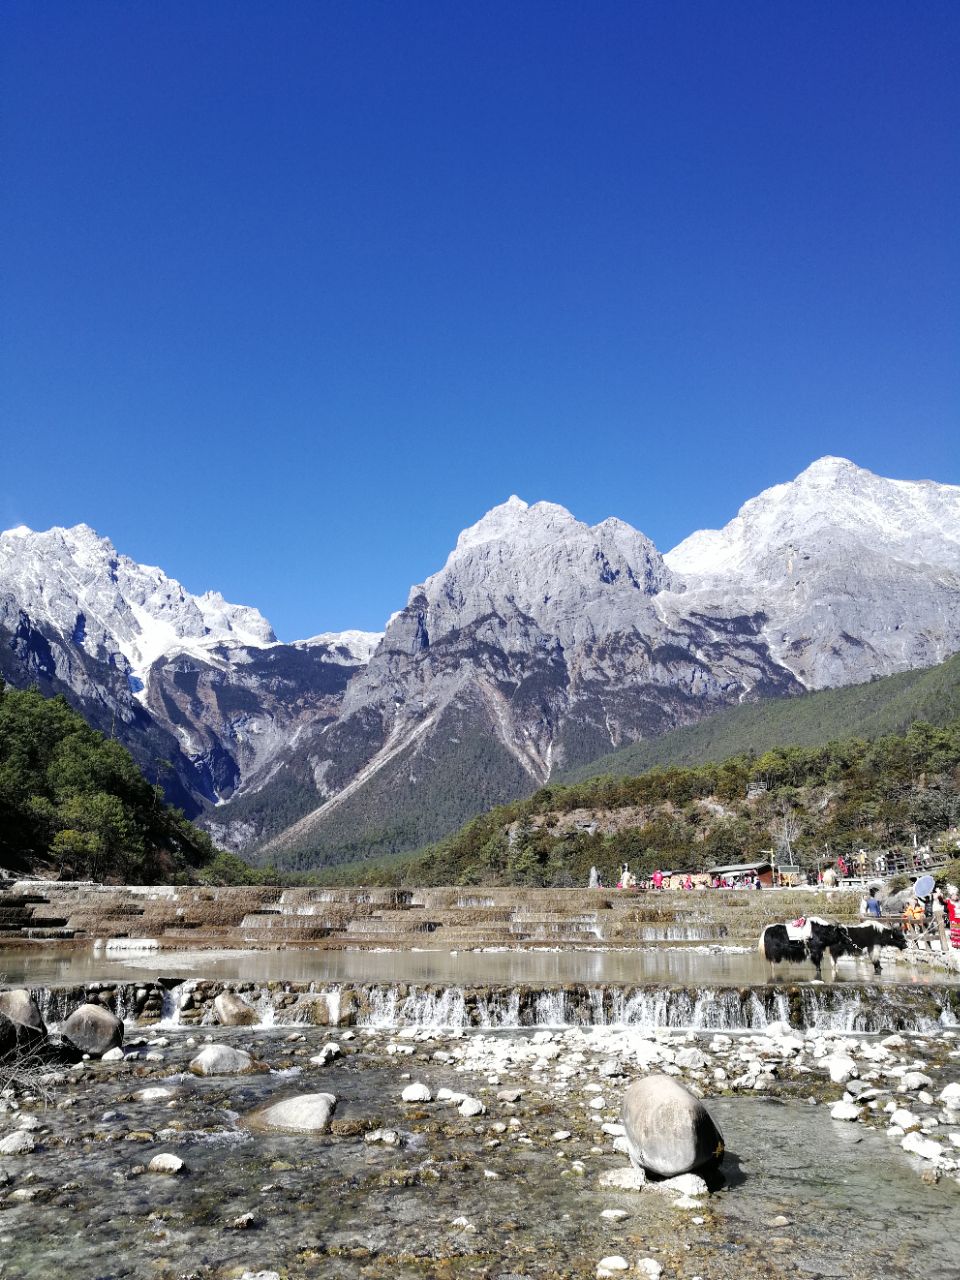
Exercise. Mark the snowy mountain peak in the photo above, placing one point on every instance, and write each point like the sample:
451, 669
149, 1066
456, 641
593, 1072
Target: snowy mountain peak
108, 604
540, 562
832, 504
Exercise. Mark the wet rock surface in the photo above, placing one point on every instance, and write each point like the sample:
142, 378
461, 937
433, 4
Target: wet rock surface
668, 1130
427, 1188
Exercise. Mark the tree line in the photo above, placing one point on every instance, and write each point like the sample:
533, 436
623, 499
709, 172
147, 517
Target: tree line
74, 804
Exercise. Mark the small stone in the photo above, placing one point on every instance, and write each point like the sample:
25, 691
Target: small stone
614, 1215
629, 1179
245, 1222
306, 1113
113, 1055
221, 1060
417, 1092
20, 1143
925, 1148
845, 1111
904, 1119
509, 1095
233, 1011
389, 1137
686, 1184
650, 1268
611, 1266
166, 1163
914, 1080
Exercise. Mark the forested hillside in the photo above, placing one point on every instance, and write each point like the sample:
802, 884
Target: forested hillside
887, 705
73, 803
809, 803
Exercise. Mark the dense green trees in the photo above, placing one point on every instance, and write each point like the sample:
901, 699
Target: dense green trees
811, 802
74, 803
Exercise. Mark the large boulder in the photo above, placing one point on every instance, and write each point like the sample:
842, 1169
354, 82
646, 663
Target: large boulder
17, 1040
20, 1007
308, 1113
221, 1060
668, 1130
233, 1011
93, 1029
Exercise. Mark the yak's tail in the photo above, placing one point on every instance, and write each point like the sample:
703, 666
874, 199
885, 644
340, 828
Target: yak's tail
760, 946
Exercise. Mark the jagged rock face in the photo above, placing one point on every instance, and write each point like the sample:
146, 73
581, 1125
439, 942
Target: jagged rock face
545, 638
858, 575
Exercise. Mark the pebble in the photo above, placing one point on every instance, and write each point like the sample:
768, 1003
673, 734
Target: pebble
845, 1111
166, 1163
417, 1092
20, 1143
611, 1266
650, 1268
389, 1137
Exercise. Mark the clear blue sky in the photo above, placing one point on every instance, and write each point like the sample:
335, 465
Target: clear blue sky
293, 292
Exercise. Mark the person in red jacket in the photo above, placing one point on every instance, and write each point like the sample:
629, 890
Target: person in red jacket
953, 914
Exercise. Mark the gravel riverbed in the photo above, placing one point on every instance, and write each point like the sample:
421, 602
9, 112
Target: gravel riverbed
500, 1155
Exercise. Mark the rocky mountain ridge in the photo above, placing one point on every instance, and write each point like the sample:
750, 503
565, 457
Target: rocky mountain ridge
539, 645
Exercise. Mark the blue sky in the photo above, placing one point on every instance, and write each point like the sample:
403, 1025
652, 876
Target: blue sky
292, 293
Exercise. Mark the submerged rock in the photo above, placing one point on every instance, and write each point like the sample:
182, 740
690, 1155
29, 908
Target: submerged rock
668, 1130
221, 1060
308, 1113
93, 1029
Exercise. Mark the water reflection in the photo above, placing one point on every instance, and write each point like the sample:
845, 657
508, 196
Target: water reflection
669, 966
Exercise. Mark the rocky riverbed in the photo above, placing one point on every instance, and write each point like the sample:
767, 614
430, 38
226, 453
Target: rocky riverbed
439, 1153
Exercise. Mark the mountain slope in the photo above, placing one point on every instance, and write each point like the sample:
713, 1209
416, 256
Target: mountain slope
887, 705
857, 575
73, 803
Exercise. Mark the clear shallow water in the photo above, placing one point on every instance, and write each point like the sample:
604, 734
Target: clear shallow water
334, 1207
670, 966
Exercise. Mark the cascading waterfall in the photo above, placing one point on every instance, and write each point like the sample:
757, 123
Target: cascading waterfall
841, 1007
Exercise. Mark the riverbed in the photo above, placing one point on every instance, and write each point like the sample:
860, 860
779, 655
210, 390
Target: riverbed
517, 1190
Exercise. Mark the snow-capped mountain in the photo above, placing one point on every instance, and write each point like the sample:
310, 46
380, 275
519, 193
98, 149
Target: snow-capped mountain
186, 679
114, 608
857, 574
541, 643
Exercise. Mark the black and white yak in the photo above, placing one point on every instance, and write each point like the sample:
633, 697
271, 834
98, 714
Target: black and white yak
805, 939
869, 937
812, 938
